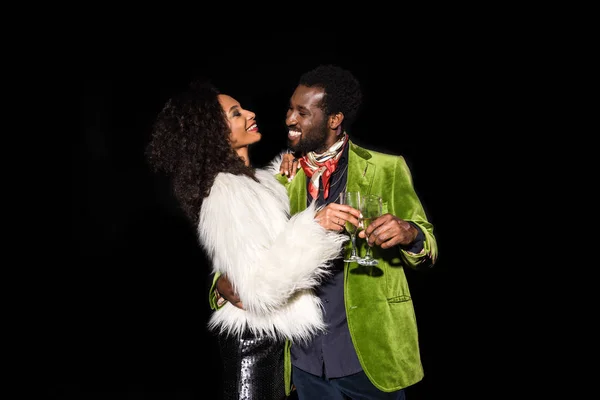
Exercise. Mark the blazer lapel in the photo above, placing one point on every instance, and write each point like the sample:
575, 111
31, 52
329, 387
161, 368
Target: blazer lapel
360, 170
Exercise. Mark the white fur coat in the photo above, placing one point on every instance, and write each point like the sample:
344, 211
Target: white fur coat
272, 260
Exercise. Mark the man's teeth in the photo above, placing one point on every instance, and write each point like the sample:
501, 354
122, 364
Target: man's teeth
293, 133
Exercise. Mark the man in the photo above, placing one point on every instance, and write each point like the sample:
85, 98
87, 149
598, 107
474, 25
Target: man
371, 348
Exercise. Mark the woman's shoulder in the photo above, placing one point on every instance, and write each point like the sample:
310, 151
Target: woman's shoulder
225, 178
228, 183
233, 194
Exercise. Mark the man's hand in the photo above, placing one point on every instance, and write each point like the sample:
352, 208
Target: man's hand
226, 291
334, 216
289, 165
388, 231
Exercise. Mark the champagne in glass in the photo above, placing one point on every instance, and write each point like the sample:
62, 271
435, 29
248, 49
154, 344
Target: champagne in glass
353, 200
371, 208
366, 222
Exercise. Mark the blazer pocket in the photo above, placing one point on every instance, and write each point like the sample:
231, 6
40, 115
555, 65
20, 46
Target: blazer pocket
399, 299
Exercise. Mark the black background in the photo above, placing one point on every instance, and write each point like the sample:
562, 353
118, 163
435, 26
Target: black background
133, 325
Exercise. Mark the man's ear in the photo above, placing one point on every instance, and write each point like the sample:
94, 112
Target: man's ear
335, 120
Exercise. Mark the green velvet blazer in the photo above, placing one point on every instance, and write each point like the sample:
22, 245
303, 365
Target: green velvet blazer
380, 311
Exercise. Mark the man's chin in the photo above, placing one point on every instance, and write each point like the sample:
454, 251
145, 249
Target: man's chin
292, 145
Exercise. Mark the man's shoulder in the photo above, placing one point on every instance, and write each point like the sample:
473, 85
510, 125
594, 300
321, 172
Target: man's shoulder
376, 155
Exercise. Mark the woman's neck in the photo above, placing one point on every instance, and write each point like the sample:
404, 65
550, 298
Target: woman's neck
243, 153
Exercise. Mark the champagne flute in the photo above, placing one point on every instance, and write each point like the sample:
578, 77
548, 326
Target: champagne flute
371, 208
353, 200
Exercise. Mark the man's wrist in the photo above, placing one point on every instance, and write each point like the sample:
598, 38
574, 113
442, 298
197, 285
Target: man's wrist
417, 245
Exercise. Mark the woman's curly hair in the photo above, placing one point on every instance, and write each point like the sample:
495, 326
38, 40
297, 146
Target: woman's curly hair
190, 144
342, 91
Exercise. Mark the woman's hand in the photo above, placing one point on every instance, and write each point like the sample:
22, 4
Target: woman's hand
289, 165
334, 216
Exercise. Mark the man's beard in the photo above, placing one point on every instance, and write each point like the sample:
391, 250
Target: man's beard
314, 140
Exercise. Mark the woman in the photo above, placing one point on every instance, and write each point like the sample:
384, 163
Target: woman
201, 140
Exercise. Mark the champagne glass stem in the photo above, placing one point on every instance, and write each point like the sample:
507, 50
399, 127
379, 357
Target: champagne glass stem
353, 255
368, 258
353, 200
368, 253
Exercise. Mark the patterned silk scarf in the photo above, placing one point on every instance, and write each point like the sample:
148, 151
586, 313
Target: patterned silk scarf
322, 165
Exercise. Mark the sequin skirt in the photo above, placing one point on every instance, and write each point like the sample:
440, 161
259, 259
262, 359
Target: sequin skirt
253, 368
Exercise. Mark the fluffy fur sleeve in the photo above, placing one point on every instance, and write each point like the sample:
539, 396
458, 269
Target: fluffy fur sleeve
268, 256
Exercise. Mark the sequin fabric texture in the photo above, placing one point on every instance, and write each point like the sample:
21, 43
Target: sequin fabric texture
252, 368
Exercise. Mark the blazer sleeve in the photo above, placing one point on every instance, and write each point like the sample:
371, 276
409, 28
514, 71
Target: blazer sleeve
407, 206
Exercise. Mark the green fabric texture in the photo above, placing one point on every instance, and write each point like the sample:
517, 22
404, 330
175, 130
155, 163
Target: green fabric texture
287, 368
212, 298
379, 306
